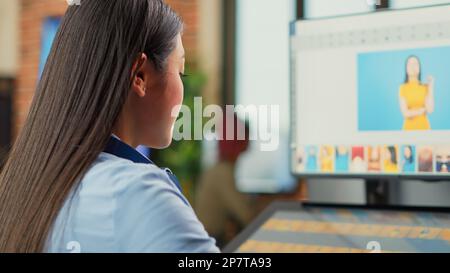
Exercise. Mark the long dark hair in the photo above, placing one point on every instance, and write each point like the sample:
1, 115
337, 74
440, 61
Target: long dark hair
82, 91
411, 158
393, 151
406, 68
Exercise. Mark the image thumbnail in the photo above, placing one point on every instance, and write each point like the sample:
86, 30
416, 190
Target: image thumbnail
359, 164
311, 158
390, 159
443, 159
425, 155
408, 159
299, 159
342, 159
326, 158
374, 157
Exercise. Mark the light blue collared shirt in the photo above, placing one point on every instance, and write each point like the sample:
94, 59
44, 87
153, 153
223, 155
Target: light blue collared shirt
122, 206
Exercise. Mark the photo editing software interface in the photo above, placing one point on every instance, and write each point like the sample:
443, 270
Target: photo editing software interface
371, 94
349, 230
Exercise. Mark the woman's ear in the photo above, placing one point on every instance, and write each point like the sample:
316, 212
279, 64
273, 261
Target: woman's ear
139, 78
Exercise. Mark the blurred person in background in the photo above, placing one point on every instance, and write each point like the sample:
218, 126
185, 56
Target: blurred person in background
222, 209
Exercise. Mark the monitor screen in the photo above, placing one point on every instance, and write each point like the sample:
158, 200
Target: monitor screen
292, 228
370, 94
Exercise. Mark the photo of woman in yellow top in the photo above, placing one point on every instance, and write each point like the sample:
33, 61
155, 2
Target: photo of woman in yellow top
390, 160
416, 98
326, 159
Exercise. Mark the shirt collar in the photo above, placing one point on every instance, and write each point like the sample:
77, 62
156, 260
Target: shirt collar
119, 148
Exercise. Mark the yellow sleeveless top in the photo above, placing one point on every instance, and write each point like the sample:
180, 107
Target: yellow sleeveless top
415, 95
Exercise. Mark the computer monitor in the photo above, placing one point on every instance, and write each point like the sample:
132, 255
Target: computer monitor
371, 95
290, 227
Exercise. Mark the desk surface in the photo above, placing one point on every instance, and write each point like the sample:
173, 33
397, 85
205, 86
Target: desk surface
292, 227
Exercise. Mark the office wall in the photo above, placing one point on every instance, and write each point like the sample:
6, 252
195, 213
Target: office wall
9, 41
210, 47
31, 17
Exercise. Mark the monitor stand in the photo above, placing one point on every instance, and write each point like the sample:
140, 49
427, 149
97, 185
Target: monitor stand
377, 192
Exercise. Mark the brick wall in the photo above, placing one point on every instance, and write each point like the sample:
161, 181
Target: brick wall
32, 16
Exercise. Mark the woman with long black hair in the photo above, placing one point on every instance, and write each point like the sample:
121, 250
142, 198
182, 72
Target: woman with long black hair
416, 98
73, 178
